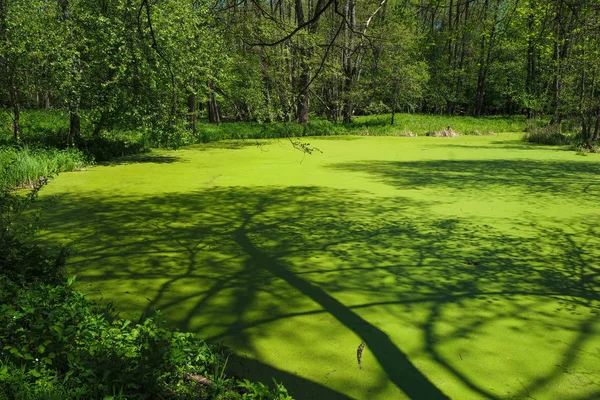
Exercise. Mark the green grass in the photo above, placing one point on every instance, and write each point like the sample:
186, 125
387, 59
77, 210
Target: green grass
373, 125
21, 167
421, 124
470, 265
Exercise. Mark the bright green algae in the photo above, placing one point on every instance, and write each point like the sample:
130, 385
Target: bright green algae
470, 265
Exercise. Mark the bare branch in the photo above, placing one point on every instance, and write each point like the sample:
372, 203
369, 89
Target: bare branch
285, 38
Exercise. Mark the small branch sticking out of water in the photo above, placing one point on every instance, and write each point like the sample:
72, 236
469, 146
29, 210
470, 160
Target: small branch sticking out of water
359, 353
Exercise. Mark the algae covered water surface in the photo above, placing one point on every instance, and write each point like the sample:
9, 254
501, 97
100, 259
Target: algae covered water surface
469, 266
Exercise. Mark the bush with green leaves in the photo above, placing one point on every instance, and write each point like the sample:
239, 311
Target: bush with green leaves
53, 334
20, 262
545, 134
56, 342
116, 143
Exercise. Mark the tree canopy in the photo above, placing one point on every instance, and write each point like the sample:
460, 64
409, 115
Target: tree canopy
160, 64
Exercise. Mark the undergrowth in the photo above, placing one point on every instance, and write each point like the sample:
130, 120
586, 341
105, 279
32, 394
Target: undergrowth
23, 166
541, 132
49, 128
373, 125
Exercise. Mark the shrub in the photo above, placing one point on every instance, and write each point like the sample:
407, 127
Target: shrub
117, 143
375, 108
53, 334
55, 340
548, 134
447, 132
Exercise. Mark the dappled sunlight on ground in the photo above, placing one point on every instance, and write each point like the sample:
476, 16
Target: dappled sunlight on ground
475, 277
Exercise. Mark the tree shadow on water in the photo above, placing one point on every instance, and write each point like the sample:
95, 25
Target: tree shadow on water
231, 144
501, 145
542, 177
234, 260
301, 388
142, 159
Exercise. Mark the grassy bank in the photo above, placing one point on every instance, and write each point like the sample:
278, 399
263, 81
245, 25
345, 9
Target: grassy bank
23, 166
375, 125
50, 128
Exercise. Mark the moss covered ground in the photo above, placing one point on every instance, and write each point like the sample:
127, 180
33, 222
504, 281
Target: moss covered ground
470, 266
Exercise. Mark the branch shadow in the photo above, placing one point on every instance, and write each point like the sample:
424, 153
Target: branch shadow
227, 262
508, 145
231, 144
249, 368
142, 159
553, 178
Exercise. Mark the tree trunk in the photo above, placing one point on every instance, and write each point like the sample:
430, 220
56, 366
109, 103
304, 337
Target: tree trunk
348, 65
16, 121
14, 101
394, 106
7, 76
3, 15
74, 117
556, 118
192, 112
264, 70
481, 78
212, 106
304, 79
480, 93
74, 123
530, 85
303, 89
596, 134
450, 103
561, 48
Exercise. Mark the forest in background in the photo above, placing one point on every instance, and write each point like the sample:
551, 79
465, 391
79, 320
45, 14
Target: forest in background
160, 65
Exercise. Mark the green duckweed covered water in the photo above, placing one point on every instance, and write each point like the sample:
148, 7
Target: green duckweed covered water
470, 266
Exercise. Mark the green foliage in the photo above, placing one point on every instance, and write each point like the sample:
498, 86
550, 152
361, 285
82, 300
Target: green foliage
251, 130
54, 334
56, 342
421, 124
24, 166
50, 129
44, 128
20, 262
155, 68
261, 391
115, 143
41, 128
54, 338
